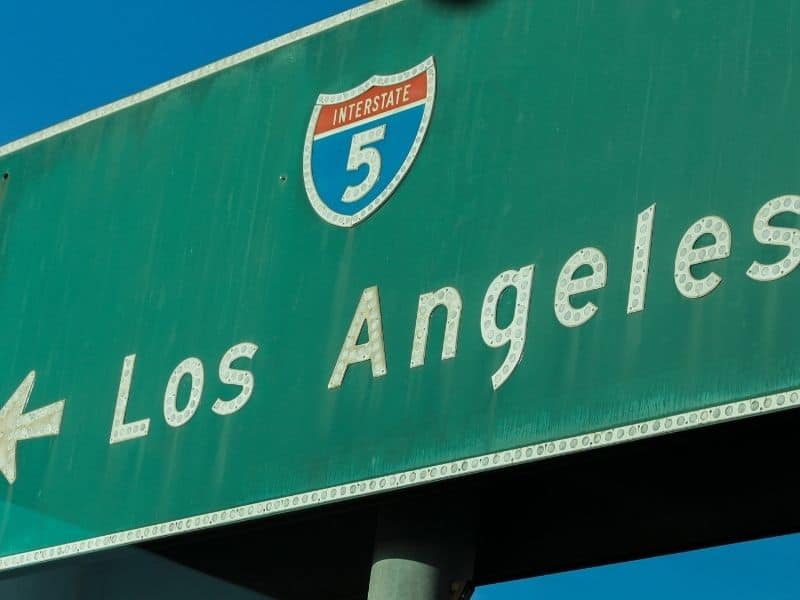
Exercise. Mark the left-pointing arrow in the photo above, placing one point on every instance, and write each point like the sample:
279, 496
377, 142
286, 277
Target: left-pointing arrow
16, 426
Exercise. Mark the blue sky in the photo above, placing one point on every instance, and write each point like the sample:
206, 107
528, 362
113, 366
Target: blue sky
63, 58
761, 570
60, 59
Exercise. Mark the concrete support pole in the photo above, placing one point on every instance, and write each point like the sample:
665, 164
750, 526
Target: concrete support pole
424, 550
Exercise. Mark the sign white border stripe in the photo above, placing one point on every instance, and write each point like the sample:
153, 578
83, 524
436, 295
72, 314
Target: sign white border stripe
683, 421
214, 67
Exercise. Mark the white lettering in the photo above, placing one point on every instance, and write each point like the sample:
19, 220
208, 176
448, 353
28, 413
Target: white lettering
194, 369
513, 333
231, 376
640, 264
368, 311
776, 236
120, 430
451, 300
568, 286
688, 256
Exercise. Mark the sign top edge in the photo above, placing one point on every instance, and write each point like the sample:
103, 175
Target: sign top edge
198, 73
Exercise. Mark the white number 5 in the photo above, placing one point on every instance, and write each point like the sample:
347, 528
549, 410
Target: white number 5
361, 154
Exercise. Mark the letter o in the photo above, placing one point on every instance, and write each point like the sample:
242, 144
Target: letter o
194, 369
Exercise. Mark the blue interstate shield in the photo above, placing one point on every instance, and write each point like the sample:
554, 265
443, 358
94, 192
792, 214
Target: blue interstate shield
361, 143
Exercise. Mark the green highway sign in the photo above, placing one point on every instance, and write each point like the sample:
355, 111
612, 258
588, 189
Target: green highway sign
412, 242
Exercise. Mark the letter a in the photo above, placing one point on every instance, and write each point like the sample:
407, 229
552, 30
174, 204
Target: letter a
369, 312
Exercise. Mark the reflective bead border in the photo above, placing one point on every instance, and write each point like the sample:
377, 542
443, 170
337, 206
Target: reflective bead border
210, 69
404, 479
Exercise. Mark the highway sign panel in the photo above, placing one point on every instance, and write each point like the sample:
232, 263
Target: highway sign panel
580, 233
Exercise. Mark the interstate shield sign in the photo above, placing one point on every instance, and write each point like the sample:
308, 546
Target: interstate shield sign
361, 143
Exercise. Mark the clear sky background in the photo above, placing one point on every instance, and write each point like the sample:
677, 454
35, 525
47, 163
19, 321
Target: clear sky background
761, 570
60, 59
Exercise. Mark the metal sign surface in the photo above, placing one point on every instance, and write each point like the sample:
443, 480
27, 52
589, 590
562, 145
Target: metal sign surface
592, 238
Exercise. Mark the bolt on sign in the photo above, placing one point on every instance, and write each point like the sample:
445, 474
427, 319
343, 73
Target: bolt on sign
288, 279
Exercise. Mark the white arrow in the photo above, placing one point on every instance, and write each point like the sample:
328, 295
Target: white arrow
15, 426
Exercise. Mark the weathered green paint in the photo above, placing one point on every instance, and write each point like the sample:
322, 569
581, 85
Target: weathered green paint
166, 230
